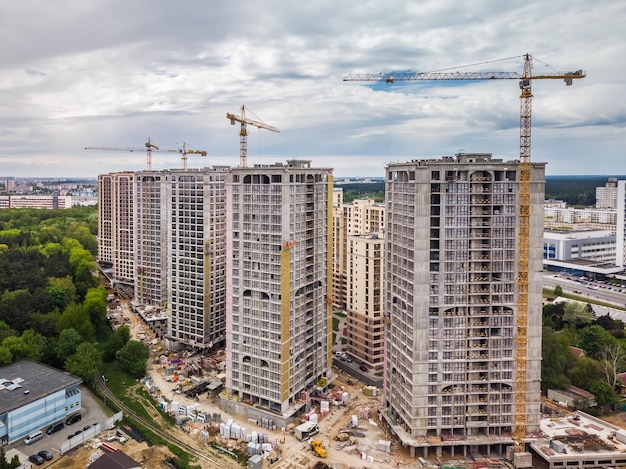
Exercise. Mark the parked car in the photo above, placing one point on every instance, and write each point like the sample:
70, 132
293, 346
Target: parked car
55, 427
35, 458
73, 419
47, 455
363, 368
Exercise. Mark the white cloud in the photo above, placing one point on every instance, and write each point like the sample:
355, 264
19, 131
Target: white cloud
75, 74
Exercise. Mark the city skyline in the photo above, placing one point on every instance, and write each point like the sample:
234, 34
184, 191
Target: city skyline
112, 74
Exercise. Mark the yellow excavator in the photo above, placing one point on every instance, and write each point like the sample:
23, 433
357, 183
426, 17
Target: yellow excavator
318, 447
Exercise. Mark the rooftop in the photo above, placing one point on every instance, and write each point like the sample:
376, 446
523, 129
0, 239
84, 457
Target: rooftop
580, 436
27, 381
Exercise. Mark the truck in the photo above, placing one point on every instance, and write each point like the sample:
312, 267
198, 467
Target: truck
306, 430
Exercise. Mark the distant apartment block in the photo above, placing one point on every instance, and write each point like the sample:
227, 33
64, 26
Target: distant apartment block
580, 218
451, 302
358, 248
606, 197
278, 328
35, 201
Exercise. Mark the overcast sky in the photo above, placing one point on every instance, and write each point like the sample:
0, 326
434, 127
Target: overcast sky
77, 73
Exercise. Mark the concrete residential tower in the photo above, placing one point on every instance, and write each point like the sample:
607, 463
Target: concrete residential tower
197, 257
451, 302
278, 325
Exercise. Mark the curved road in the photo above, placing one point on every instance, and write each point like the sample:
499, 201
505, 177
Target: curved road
213, 459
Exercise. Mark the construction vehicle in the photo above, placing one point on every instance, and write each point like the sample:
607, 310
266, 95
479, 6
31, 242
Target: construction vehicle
318, 448
243, 133
521, 337
306, 430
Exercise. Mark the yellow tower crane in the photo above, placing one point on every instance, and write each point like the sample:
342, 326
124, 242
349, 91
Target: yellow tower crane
525, 83
150, 147
243, 133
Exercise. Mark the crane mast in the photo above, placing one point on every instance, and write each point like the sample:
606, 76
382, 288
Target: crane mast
243, 133
523, 255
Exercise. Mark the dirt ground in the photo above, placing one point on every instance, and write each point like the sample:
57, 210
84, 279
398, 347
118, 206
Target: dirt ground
291, 453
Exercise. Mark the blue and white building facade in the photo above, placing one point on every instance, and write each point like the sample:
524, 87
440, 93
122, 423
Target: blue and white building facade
33, 396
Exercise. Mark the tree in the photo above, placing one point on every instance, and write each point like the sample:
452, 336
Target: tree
116, 341
593, 338
553, 315
69, 340
133, 358
578, 314
12, 464
611, 356
555, 357
585, 373
13, 305
34, 343
604, 392
558, 291
76, 316
96, 305
85, 362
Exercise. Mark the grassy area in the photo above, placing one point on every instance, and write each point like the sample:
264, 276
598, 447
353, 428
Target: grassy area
340, 314
335, 324
134, 396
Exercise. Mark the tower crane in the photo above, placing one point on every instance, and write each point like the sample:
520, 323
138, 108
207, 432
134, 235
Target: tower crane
243, 133
525, 83
184, 152
148, 146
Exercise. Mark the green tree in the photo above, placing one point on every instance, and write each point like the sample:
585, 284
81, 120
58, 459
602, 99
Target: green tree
13, 305
133, 358
558, 291
6, 357
585, 373
76, 316
604, 392
34, 343
85, 362
555, 357
96, 305
69, 340
578, 314
553, 315
592, 340
116, 341
62, 291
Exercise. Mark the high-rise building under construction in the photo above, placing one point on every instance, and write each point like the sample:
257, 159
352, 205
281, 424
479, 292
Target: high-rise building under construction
451, 302
278, 314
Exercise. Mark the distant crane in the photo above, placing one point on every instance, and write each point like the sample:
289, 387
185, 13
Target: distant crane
150, 147
184, 152
243, 133
525, 82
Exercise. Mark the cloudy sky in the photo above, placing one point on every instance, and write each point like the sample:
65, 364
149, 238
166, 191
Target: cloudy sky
76, 73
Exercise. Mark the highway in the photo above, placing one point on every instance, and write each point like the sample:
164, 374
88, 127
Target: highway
591, 290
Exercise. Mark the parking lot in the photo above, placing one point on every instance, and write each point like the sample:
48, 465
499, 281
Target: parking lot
91, 413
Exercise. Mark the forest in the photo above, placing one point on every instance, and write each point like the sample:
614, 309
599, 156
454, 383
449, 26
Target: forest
577, 191
53, 304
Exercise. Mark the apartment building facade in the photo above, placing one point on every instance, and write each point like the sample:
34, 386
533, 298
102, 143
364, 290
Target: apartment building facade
451, 301
49, 202
278, 328
150, 233
358, 248
196, 261
116, 246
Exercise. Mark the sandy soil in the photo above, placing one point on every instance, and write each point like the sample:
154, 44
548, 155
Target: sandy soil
292, 453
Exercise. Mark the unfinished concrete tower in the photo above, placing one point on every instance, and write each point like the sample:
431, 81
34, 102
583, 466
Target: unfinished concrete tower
278, 325
451, 302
